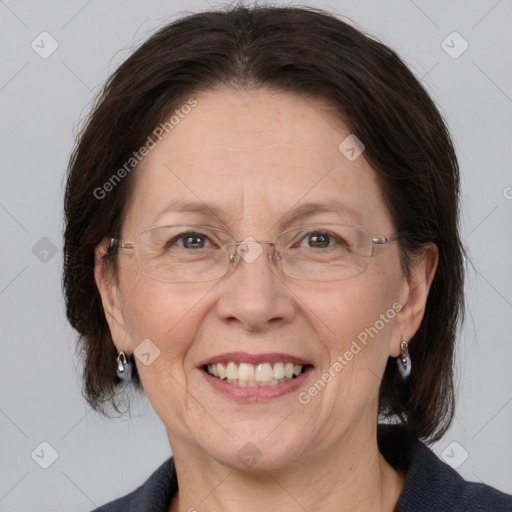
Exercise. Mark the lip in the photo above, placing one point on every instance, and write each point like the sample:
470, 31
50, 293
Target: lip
255, 394
244, 357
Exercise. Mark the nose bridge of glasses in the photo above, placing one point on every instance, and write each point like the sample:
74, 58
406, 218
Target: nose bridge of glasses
250, 249
253, 241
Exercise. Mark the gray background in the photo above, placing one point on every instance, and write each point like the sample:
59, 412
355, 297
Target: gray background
42, 101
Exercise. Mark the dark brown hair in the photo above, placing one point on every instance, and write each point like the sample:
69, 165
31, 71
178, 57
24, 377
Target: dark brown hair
311, 53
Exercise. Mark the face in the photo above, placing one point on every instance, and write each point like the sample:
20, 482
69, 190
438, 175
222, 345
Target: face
254, 158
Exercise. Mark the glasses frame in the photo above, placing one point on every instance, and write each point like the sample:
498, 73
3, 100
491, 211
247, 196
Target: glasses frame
116, 244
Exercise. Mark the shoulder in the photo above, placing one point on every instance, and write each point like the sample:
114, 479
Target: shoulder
483, 498
154, 495
431, 484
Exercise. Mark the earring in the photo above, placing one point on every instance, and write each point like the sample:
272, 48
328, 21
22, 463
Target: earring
124, 366
404, 360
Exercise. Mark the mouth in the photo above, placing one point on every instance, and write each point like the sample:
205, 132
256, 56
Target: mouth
246, 374
255, 377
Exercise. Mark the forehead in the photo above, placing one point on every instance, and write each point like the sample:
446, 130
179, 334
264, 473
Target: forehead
254, 156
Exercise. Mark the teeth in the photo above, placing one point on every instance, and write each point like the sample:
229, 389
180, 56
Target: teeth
264, 372
246, 374
288, 370
279, 371
246, 383
232, 371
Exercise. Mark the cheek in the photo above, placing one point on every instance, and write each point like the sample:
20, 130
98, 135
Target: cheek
165, 313
355, 320
169, 316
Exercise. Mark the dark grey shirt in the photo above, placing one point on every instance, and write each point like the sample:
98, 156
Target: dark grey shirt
430, 485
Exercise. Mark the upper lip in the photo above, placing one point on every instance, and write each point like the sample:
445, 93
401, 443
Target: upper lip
244, 357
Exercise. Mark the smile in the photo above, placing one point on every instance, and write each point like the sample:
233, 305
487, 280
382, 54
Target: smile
246, 374
253, 378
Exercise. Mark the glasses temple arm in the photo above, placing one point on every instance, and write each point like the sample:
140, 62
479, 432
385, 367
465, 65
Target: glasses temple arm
385, 240
116, 244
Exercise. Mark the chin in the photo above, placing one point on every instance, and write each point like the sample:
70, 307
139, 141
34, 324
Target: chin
260, 451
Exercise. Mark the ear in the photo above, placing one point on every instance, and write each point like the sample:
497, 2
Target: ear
413, 297
108, 288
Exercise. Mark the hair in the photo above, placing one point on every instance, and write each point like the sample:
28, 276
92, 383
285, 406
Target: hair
302, 51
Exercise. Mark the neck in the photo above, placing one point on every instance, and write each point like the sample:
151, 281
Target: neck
350, 477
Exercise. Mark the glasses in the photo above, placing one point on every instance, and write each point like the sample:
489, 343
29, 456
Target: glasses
189, 253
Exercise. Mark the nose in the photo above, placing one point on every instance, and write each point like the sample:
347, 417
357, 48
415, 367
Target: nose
254, 294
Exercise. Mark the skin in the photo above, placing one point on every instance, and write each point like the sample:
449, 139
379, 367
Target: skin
257, 155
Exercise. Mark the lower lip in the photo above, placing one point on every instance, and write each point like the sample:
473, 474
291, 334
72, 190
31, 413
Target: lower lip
257, 393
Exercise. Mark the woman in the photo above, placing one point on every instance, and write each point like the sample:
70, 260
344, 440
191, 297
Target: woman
262, 234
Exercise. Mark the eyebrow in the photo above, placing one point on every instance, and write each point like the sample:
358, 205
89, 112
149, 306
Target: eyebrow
309, 209
295, 214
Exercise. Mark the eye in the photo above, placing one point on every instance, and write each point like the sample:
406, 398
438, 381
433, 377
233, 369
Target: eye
190, 241
319, 240
322, 240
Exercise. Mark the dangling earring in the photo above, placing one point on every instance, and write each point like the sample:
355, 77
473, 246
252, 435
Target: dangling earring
124, 366
404, 360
